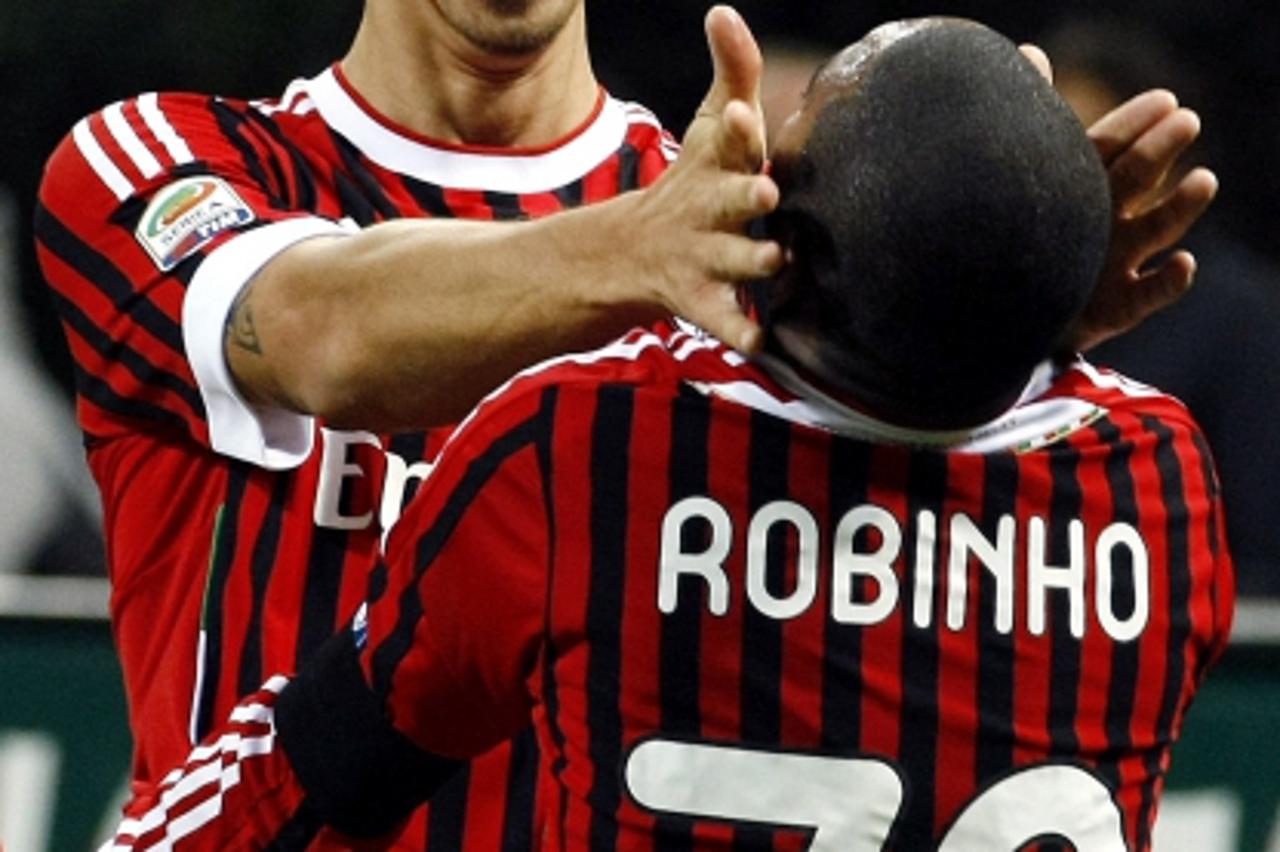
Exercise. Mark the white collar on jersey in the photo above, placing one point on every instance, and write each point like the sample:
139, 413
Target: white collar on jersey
517, 174
1030, 424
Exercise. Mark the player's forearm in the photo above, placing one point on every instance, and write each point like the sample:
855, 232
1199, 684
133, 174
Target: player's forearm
299, 755
408, 324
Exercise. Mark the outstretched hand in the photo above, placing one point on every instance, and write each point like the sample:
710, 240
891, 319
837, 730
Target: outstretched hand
1140, 142
702, 205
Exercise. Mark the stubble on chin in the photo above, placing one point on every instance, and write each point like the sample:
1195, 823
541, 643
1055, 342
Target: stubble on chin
509, 27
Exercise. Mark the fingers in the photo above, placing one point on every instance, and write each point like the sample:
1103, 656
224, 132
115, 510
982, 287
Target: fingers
735, 57
1119, 129
1164, 285
1168, 221
719, 313
1038, 58
741, 198
736, 258
1139, 171
740, 146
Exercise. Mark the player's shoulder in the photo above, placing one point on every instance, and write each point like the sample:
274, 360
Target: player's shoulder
656, 361
646, 131
136, 145
1124, 399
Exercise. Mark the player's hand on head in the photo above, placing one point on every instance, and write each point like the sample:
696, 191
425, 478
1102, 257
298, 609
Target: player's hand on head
701, 207
1155, 203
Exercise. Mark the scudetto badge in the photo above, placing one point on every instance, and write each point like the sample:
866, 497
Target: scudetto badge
186, 215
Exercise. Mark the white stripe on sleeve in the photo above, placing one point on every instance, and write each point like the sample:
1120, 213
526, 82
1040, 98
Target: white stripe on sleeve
149, 107
100, 162
129, 141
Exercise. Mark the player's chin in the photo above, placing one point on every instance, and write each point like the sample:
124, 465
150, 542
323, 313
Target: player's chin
522, 26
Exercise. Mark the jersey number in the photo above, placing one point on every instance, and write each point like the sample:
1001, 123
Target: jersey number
852, 803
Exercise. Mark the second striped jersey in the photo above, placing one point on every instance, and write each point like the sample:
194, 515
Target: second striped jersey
742, 614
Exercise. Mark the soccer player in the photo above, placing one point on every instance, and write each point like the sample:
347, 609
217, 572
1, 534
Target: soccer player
234, 289
906, 581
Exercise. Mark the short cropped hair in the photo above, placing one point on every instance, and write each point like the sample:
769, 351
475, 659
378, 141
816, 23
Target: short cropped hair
950, 217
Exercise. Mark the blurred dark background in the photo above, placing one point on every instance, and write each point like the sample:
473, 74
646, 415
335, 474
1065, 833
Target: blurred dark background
60, 59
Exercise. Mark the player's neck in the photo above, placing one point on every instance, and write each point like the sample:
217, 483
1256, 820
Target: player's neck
428, 78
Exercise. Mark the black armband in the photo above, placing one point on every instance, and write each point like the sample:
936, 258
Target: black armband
360, 774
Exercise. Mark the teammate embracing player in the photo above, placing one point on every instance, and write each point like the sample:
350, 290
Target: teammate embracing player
245, 284
905, 581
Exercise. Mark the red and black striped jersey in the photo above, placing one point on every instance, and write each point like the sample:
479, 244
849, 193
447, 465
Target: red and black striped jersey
743, 614
239, 538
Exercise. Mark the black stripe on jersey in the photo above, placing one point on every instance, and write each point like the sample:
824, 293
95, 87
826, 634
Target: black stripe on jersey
628, 168
505, 206
760, 669
1173, 495
266, 546
298, 832
1212, 492
447, 817
550, 691
429, 196
918, 725
681, 633
571, 195
370, 186
322, 590
1064, 677
303, 195
768, 464
1212, 486
849, 472
995, 649
142, 369
610, 476
534, 430
104, 396
61, 242
231, 123
222, 555
1124, 655
518, 822
681, 641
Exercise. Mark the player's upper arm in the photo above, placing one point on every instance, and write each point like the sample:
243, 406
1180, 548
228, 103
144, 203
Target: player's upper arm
455, 640
153, 213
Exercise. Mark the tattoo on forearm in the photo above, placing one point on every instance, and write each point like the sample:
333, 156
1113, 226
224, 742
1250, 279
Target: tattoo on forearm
240, 328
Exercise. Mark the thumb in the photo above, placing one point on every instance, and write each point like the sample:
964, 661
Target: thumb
736, 60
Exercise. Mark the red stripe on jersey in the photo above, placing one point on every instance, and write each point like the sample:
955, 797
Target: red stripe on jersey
133, 116
803, 638
720, 695
1097, 510
603, 182
539, 204
469, 204
115, 151
640, 689
881, 680
570, 594
1152, 647
1204, 513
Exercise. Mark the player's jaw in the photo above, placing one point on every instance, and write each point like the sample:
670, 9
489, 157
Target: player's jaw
508, 27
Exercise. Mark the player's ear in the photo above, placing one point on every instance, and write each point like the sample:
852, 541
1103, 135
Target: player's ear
788, 296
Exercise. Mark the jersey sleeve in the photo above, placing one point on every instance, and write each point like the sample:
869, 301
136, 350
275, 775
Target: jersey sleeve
153, 213
453, 643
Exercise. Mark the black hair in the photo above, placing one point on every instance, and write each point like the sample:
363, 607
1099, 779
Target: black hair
948, 218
